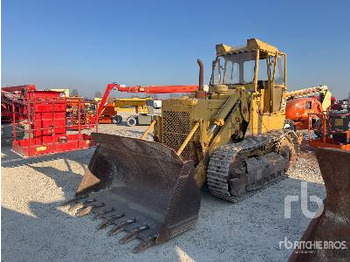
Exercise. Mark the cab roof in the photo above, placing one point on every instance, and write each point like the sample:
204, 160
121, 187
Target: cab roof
252, 44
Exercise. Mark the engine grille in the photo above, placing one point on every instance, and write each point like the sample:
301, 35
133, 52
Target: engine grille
176, 127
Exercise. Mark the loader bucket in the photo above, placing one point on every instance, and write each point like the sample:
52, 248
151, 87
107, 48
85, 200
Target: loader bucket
143, 188
332, 227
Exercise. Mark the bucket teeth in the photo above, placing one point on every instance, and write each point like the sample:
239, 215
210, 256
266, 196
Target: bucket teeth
146, 181
151, 241
84, 211
133, 234
76, 206
109, 221
81, 204
88, 209
117, 228
89, 201
102, 212
73, 200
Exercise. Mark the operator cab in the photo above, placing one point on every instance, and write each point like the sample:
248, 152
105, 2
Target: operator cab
258, 67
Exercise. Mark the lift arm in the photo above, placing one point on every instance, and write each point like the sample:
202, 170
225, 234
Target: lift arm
144, 89
159, 89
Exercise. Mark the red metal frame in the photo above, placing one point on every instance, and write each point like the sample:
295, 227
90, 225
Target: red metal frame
86, 119
326, 130
16, 94
47, 130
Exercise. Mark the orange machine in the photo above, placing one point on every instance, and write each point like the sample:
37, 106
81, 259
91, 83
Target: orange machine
330, 129
81, 110
109, 114
297, 110
301, 103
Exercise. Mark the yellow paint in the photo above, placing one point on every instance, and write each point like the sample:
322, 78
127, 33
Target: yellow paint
228, 114
338, 122
40, 148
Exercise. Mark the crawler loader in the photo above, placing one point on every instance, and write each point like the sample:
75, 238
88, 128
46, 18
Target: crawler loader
229, 139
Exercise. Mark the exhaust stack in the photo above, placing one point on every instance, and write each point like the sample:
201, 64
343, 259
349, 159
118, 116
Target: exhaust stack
201, 93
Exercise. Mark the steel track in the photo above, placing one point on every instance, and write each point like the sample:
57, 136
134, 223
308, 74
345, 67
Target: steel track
218, 176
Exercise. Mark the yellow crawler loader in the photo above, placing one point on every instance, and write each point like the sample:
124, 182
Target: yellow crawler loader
230, 138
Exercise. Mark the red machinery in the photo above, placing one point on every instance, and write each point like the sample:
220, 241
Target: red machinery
44, 120
81, 110
332, 129
301, 103
106, 112
14, 94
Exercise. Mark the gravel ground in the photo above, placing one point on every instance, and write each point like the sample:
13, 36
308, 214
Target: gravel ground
35, 228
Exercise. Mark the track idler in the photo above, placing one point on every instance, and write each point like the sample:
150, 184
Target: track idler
139, 187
